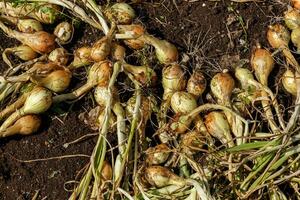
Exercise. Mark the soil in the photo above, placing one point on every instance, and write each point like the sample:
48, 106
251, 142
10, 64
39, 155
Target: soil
210, 34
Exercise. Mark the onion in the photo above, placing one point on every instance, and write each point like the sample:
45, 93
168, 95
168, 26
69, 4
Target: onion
196, 84
279, 37
296, 3
106, 172
262, 63
289, 82
40, 41
292, 18
102, 94
45, 13
82, 57
25, 126
295, 37
183, 102
143, 74
120, 13
158, 176
24, 52
173, 78
157, 155
102, 47
222, 85
99, 74
59, 56
166, 52
111, 121
118, 52
56, 81
132, 35
191, 142
38, 101
217, 125
64, 32
29, 25
244, 75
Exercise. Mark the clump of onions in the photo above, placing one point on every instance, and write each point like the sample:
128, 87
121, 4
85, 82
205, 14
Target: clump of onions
23, 52
217, 125
143, 74
196, 84
38, 101
82, 57
157, 155
29, 25
295, 37
59, 56
118, 52
43, 12
64, 32
25, 126
99, 74
296, 3
120, 13
102, 47
40, 41
191, 142
292, 18
222, 85
132, 35
289, 82
262, 63
279, 37
166, 52
183, 102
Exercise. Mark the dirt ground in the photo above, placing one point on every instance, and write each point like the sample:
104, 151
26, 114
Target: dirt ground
208, 33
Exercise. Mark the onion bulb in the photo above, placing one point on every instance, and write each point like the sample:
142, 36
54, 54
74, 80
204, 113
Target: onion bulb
106, 172
25, 126
120, 13
38, 101
157, 155
292, 18
132, 35
43, 12
244, 75
289, 82
111, 121
59, 56
24, 52
118, 52
183, 102
173, 78
295, 37
222, 85
29, 25
102, 47
145, 75
296, 4
166, 52
279, 37
196, 84
158, 176
56, 81
64, 32
262, 63
217, 125
40, 41
82, 57
191, 142
102, 94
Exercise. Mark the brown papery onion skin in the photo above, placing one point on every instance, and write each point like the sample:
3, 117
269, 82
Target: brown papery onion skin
296, 4
196, 84
157, 155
